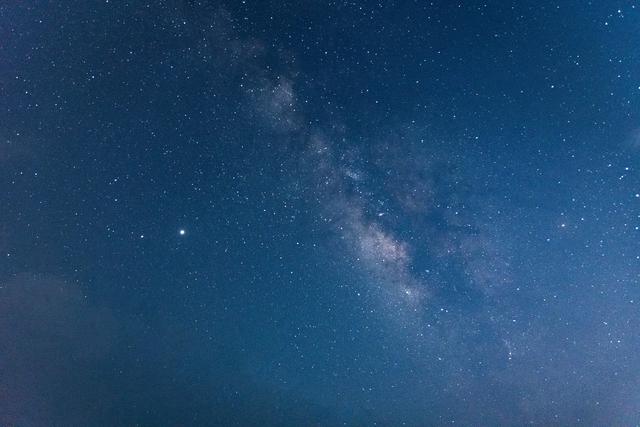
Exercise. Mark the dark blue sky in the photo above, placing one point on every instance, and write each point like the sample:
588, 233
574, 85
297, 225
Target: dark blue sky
319, 213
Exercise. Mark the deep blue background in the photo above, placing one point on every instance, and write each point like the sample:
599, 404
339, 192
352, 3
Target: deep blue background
418, 213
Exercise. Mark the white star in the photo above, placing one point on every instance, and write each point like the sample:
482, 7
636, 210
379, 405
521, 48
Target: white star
182, 232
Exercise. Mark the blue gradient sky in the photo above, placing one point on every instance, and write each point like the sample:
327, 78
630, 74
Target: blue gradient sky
319, 213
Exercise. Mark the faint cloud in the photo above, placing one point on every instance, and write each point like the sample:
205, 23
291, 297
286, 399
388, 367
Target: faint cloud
48, 334
633, 140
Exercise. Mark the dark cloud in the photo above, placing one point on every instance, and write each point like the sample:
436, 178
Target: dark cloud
54, 347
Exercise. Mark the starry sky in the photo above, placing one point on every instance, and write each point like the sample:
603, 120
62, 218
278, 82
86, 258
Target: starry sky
319, 213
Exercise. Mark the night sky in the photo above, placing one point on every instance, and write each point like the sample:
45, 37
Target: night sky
319, 213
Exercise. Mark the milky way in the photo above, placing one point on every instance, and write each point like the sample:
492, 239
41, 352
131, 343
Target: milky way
319, 213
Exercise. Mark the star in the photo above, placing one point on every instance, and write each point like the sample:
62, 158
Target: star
182, 232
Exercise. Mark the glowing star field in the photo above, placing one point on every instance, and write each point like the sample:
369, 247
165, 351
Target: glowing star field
319, 213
